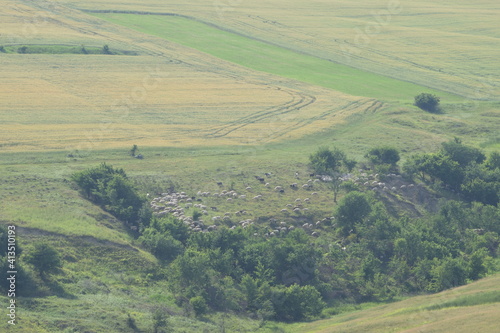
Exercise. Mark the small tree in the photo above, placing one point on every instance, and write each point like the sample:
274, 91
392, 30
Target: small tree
2, 49
44, 258
331, 162
133, 150
199, 305
105, 49
427, 102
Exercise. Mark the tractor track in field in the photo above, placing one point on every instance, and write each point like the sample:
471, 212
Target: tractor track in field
351, 106
297, 102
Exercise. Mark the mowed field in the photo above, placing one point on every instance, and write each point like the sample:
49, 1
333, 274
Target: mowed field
166, 95
190, 83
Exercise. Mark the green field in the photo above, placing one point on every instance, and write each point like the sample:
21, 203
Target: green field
260, 56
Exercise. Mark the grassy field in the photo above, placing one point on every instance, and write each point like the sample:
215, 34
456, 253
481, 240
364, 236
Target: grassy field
438, 44
469, 308
242, 89
264, 57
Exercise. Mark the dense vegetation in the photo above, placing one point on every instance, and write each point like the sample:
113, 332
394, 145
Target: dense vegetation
366, 254
111, 189
462, 168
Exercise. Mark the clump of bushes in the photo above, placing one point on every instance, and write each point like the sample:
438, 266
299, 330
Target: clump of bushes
428, 102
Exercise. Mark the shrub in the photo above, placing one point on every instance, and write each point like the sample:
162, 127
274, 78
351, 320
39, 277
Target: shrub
22, 49
199, 305
44, 258
383, 155
427, 102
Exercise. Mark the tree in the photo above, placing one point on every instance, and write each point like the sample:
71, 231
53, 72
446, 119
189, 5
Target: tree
162, 245
493, 161
105, 49
326, 161
383, 155
427, 102
297, 302
329, 162
133, 150
462, 154
199, 305
352, 209
44, 258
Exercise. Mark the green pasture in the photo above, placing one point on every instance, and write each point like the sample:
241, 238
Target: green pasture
265, 57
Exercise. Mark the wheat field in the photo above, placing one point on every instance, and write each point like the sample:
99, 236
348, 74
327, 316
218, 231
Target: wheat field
448, 45
167, 95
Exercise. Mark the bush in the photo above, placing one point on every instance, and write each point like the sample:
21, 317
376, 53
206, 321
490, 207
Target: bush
383, 155
427, 102
162, 245
199, 305
44, 258
22, 49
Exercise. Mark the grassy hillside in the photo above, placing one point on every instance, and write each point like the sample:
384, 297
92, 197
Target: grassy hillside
225, 93
471, 308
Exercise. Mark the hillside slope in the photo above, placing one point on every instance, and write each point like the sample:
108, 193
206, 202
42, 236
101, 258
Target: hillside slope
471, 308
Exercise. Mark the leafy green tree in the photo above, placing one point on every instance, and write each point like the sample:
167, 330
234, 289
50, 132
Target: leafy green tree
484, 192
352, 209
326, 161
427, 102
436, 166
448, 273
44, 258
250, 291
476, 267
383, 155
331, 162
176, 228
162, 245
199, 305
493, 161
461, 153
296, 302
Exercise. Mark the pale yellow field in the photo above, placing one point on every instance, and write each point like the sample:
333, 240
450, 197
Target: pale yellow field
447, 45
167, 96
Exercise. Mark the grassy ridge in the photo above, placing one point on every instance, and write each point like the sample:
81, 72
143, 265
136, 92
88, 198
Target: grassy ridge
272, 59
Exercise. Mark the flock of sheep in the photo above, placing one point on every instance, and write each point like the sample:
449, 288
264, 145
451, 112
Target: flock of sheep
191, 208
